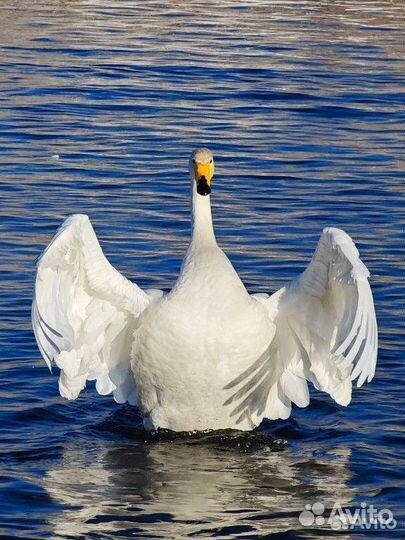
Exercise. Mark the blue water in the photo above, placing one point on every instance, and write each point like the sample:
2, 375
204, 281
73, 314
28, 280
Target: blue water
100, 105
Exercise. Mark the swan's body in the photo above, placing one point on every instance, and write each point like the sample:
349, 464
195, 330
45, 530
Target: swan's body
194, 341
207, 355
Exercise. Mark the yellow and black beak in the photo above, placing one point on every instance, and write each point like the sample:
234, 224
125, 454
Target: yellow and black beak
203, 175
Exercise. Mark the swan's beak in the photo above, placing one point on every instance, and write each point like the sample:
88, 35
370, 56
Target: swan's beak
203, 176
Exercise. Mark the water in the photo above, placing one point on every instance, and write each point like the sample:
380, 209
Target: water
101, 104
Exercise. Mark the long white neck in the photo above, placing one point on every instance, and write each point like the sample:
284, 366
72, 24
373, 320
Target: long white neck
203, 232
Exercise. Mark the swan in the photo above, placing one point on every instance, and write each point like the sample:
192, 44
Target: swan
207, 355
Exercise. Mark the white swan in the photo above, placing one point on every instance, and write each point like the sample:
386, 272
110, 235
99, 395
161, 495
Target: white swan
207, 355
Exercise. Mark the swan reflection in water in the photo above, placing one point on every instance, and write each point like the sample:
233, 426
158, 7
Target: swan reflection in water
173, 489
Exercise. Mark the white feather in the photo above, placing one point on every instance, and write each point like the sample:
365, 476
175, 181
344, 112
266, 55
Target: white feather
83, 312
328, 315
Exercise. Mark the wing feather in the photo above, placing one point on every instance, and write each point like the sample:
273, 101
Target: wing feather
326, 333
83, 313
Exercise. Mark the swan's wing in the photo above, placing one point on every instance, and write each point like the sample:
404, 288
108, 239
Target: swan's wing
325, 332
84, 313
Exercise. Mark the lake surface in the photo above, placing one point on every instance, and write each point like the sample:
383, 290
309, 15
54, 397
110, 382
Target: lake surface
100, 105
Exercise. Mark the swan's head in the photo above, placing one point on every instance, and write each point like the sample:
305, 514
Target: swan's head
202, 168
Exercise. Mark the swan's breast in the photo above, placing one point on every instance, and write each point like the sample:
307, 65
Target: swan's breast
187, 349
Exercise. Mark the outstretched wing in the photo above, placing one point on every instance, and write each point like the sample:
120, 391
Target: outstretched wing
325, 332
84, 312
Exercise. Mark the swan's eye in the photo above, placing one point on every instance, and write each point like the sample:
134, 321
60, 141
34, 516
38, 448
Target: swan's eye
210, 160
193, 160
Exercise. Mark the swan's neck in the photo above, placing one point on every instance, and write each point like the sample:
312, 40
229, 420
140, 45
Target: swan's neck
203, 231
